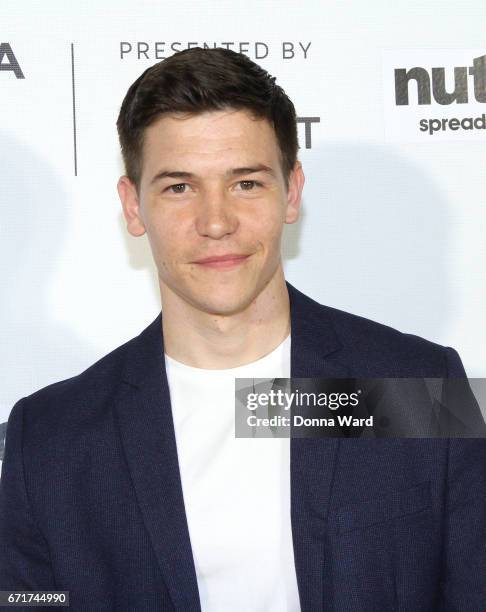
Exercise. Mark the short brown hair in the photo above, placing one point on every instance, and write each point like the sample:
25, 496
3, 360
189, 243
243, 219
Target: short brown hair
197, 80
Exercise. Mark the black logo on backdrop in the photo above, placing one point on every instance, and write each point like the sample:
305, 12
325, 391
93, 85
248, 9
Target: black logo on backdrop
428, 85
159, 50
11, 64
308, 121
431, 87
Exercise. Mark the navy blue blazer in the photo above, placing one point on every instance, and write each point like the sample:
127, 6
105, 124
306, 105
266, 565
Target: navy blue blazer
91, 499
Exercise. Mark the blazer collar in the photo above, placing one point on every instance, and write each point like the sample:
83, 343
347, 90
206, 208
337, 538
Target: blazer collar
315, 350
144, 417
313, 338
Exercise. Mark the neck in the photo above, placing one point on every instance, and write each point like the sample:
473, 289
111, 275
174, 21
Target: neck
204, 340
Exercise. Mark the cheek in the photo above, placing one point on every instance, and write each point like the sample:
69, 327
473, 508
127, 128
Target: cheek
268, 228
165, 227
165, 241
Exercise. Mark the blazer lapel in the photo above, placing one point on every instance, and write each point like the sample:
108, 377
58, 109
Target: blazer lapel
314, 344
147, 431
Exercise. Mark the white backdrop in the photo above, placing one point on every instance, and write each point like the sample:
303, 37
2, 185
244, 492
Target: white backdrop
393, 221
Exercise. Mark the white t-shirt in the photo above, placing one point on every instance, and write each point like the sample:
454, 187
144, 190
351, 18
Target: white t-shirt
236, 491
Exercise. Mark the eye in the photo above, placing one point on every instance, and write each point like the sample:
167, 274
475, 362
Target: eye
179, 188
249, 185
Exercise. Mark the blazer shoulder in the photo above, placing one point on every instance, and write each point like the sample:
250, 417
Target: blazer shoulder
356, 327
402, 352
81, 393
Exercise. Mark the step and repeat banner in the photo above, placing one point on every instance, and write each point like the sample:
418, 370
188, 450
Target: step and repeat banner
391, 100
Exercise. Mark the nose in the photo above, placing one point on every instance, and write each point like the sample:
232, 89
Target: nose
215, 215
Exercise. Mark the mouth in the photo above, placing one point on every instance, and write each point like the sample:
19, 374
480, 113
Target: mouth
223, 262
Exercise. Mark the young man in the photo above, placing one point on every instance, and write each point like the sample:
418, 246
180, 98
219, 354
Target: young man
126, 486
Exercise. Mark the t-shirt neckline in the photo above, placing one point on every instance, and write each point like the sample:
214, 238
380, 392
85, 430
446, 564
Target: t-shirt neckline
262, 361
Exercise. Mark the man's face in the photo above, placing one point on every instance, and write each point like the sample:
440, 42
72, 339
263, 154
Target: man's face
211, 187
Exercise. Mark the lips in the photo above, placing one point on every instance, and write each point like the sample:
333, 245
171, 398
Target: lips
221, 258
230, 260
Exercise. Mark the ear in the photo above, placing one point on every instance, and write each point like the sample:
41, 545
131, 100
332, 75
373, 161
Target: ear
294, 193
131, 206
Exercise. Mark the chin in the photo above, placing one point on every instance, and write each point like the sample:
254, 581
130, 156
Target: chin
224, 304
224, 307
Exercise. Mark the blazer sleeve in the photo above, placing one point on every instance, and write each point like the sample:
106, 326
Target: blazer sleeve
454, 366
464, 555
24, 554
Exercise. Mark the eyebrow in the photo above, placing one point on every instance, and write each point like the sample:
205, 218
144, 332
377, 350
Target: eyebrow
229, 173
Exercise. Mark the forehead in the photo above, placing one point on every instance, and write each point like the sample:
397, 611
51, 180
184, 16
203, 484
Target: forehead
224, 136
